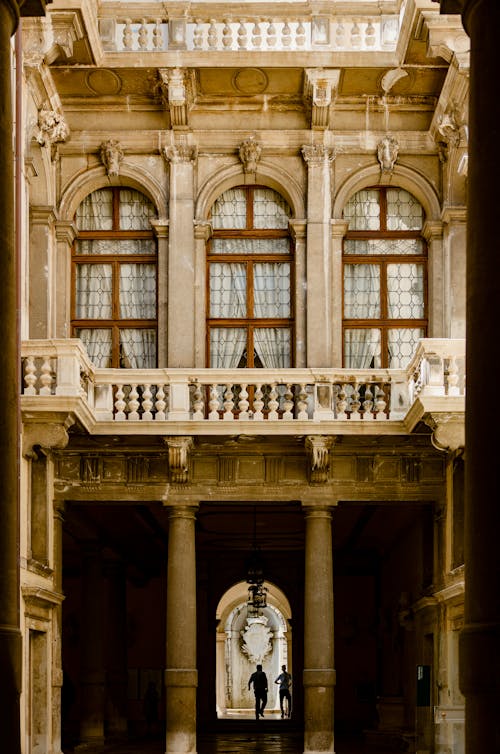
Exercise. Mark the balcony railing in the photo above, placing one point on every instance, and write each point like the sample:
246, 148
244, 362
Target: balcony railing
127, 27
57, 370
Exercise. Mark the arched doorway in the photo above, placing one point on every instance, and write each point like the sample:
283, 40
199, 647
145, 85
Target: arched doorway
244, 640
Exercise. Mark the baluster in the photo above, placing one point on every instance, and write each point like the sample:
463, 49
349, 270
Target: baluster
133, 404
340, 35
212, 35
286, 36
453, 377
147, 403
120, 404
127, 35
160, 404
157, 35
143, 35
288, 403
368, 404
45, 378
242, 35
256, 35
227, 35
355, 403
300, 35
198, 402
273, 404
228, 403
243, 403
29, 376
370, 35
302, 404
258, 403
355, 36
380, 403
214, 403
198, 35
341, 403
271, 34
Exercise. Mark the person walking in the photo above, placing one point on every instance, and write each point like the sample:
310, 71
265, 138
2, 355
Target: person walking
259, 681
285, 681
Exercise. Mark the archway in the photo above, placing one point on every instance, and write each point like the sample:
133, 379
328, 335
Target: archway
244, 640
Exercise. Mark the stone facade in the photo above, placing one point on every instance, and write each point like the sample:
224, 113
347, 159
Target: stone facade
121, 512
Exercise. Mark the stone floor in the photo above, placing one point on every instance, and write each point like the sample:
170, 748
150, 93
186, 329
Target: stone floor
264, 739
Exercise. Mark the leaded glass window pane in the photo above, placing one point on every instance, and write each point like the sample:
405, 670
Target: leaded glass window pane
405, 286
273, 346
137, 291
271, 289
250, 246
227, 345
227, 290
230, 210
97, 343
93, 299
404, 212
363, 210
362, 348
136, 210
96, 211
361, 291
137, 348
114, 246
383, 246
270, 210
402, 344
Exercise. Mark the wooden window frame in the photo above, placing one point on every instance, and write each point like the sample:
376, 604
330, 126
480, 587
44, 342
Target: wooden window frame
383, 323
115, 323
251, 323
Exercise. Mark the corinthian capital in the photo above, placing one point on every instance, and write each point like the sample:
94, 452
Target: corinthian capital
317, 154
180, 153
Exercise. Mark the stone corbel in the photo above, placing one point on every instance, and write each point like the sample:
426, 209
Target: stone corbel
67, 28
46, 435
179, 449
446, 38
52, 129
387, 153
448, 431
318, 450
320, 89
176, 87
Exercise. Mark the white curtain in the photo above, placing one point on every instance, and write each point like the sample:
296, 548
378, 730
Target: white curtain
272, 289
362, 348
93, 291
362, 301
137, 291
98, 345
228, 290
272, 345
405, 288
227, 345
96, 211
137, 349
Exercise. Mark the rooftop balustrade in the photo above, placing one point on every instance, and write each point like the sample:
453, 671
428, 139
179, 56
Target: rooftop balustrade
59, 376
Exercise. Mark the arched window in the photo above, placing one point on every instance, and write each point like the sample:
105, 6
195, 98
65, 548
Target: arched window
385, 279
250, 280
114, 302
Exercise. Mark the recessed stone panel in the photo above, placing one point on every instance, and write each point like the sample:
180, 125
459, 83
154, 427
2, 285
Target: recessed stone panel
432, 469
386, 468
343, 467
205, 468
251, 468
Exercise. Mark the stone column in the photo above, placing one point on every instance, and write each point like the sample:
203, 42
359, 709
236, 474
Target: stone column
318, 265
480, 639
57, 670
161, 228
181, 257
116, 649
10, 636
91, 663
339, 229
319, 673
202, 232
437, 294
298, 230
455, 249
181, 673
65, 235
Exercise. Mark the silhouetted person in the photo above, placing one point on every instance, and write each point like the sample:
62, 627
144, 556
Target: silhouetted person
259, 680
150, 707
285, 681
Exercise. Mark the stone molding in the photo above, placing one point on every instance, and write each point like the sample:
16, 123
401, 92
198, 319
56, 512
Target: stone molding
317, 154
47, 435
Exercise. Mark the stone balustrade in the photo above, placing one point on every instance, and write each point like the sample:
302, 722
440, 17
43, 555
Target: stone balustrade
56, 369
131, 30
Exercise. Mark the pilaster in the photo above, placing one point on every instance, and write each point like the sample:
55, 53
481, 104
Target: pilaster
437, 293
339, 229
